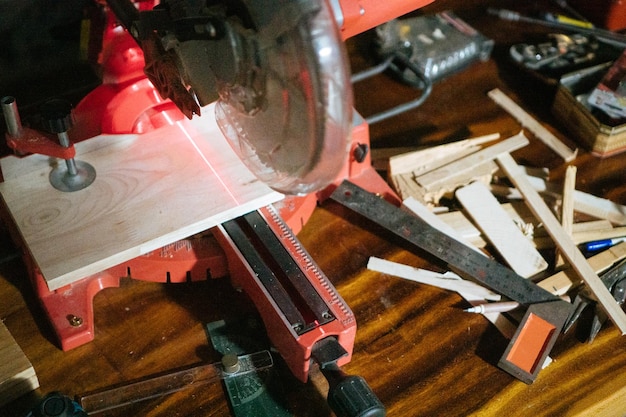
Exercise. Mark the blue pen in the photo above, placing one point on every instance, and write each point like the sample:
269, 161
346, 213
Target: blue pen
598, 245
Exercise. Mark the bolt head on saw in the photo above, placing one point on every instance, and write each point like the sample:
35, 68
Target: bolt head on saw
280, 75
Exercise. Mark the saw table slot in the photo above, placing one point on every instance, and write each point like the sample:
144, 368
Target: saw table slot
278, 272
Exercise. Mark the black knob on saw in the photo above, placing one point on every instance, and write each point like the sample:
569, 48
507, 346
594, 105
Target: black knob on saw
350, 396
57, 115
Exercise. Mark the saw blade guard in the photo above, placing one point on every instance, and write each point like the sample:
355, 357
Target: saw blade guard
289, 115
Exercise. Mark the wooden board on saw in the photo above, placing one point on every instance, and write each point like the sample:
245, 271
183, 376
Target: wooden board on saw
151, 190
17, 375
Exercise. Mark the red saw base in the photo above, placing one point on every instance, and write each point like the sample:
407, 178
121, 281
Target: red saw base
128, 103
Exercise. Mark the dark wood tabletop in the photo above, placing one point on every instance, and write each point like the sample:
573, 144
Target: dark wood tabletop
420, 353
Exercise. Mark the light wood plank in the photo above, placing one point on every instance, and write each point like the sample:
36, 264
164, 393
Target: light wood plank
516, 249
533, 125
151, 190
565, 244
17, 375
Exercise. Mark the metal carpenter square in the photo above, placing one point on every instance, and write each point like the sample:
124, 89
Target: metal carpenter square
546, 314
463, 259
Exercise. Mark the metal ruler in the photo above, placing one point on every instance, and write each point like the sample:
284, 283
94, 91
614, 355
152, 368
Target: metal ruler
457, 255
547, 311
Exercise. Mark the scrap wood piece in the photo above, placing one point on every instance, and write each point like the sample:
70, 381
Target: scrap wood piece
515, 248
447, 281
421, 211
481, 173
565, 244
567, 205
470, 291
593, 235
519, 213
457, 171
585, 232
592, 226
601, 208
17, 375
532, 125
406, 187
584, 203
459, 221
425, 160
429, 160
561, 282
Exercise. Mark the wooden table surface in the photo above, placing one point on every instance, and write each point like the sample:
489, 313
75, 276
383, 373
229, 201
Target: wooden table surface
421, 354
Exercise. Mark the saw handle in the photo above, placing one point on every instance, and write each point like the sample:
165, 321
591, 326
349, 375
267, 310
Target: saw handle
350, 396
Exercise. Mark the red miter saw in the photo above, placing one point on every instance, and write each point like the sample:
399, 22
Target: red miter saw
278, 74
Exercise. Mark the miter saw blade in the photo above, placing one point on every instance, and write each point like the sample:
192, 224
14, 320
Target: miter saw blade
288, 113
278, 69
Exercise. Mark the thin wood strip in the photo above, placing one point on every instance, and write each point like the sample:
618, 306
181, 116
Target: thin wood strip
567, 209
473, 294
531, 124
421, 161
601, 208
585, 203
561, 282
447, 281
563, 241
449, 173
591, 235
567, 205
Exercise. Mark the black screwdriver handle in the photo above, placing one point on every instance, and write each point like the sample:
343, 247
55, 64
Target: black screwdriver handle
55, 404
350, 396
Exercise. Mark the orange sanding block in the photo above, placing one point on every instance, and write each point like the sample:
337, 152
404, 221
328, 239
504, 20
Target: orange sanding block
534, 338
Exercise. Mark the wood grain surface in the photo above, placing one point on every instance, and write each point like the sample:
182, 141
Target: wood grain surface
150, 190
17, 375
421, 354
